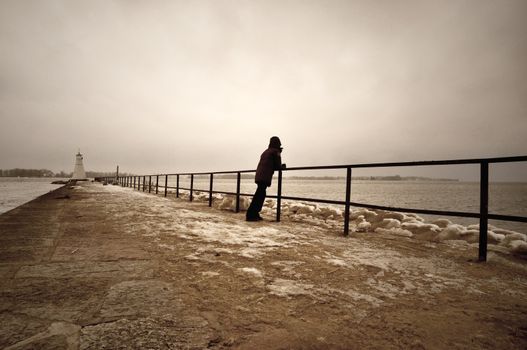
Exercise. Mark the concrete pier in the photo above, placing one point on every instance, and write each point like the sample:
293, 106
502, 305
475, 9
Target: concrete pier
105, 267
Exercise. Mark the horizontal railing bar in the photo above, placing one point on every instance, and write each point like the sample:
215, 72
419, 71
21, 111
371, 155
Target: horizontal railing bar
507, 217
213, 172
371, 165
387, 208
417, 163
220, 192
380, 207
314, 200
373, 206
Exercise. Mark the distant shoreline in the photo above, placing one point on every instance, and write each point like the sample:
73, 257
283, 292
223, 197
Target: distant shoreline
330, 178
374, 178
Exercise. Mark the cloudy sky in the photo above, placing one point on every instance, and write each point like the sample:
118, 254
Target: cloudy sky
168, 86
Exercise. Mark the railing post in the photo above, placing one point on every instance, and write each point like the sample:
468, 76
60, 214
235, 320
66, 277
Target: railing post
134, 182
191, 186
279, 196
483, 210
348, 198
166, 184
144, 183
177, 186
210, 189
149, 183
157, 183
238, 182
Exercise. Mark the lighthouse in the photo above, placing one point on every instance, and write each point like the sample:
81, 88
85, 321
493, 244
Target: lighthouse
78, 171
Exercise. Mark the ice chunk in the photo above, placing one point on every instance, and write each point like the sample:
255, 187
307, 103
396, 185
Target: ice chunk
362, 224
391, 215
513, 237
451, 232
365, 213
494, 238
229, 203
394, 231
518, 246
327, 212
421, 230
388, 224
442, 223
306, 209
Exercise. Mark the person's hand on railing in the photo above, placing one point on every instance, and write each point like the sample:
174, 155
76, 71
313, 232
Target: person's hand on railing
284, 166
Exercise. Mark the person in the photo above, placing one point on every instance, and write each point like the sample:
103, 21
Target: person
270, 160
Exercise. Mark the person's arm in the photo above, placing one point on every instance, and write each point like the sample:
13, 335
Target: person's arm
282, 166
277, 160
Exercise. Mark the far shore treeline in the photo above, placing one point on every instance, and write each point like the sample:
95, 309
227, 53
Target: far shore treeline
374, 178
48, 173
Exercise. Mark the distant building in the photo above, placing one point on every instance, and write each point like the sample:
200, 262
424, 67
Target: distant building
78, 171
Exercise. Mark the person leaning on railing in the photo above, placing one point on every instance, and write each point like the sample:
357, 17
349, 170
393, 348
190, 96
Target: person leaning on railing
270, 160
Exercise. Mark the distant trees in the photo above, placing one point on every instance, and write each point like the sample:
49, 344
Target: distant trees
104, 174
17, 172
26, 173
63, 174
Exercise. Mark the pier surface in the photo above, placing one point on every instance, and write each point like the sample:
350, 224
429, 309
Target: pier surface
105, 267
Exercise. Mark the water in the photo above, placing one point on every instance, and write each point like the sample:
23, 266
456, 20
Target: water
17, 191
504, 198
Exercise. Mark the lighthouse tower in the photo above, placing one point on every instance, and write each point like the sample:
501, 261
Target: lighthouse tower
78, 171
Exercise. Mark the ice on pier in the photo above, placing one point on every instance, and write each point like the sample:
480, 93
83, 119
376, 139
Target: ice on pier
403, 225
385, 222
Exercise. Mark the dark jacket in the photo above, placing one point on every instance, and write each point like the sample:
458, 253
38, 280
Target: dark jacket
270, 161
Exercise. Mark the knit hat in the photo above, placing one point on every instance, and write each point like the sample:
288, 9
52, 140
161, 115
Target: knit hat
275, 142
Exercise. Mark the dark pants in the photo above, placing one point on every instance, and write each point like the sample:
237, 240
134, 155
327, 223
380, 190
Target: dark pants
258, 200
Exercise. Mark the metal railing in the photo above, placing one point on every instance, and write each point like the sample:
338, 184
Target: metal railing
144, 183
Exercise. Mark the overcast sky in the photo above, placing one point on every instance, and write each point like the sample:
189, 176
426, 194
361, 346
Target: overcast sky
168, 86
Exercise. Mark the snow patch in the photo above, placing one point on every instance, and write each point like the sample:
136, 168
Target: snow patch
210, 273
286, 288
252, 271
